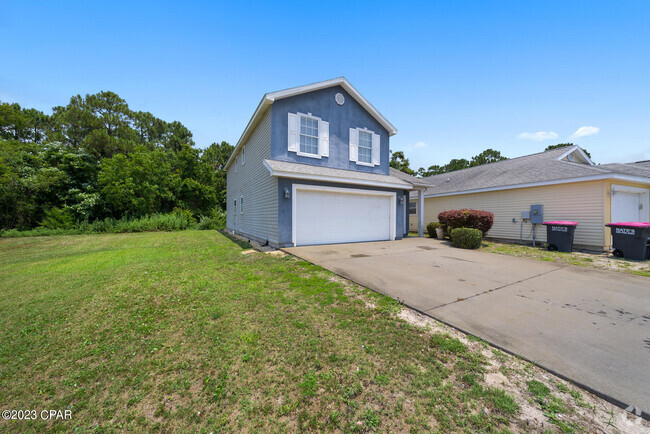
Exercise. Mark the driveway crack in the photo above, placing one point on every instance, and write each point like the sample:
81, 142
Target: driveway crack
496, 289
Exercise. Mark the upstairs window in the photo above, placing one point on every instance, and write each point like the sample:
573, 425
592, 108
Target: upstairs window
243, 155
365, 147
308, 135
241, 205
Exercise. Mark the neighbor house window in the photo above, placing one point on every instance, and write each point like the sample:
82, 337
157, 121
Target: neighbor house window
235, 164
365, 147
412, 208
308, 135
243, 155
241, 205
235, 206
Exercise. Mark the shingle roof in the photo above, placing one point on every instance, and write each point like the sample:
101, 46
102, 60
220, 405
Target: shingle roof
308, 171
535, 168
406, 177
632, 169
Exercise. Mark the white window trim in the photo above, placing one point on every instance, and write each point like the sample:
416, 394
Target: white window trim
317, 119
235, 210
235, 164
294, 203
367, 131
241, 204
243, 155
363, 163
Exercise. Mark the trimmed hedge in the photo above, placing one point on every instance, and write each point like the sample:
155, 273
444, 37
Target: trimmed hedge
431, 229
467, 218
466, 238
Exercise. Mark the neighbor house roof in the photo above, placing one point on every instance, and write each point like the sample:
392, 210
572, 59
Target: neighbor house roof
544, 168
269, 98
286, 169
416, 182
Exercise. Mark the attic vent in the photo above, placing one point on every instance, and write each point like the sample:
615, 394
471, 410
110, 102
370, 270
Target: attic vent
570, 157
339, 98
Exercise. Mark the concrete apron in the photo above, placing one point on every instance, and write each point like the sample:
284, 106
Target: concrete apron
588, 326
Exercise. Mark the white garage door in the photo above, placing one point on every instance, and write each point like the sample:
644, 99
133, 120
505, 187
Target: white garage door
629, 204
338, 215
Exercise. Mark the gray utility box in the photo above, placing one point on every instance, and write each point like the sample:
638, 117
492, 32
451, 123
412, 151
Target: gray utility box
536, 214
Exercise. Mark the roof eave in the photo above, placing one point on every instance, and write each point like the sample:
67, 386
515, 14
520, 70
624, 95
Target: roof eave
637, 179
336, 179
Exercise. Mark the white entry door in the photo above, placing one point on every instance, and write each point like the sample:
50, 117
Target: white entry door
327, 215
629, 204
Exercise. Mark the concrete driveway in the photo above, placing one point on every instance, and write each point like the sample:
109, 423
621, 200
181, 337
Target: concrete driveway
590, 326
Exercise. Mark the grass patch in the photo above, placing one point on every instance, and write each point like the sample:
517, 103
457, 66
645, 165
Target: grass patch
552, 406
178, 331
601, 261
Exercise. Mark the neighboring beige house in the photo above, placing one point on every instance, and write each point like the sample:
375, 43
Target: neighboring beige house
565, 181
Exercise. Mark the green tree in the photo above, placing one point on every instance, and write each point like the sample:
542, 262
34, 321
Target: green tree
139, 183
400, 162
215, 157
455, 164
564, 145
486, 157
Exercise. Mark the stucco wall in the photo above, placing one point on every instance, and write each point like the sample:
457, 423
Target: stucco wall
253, 181
583, 202
341, 118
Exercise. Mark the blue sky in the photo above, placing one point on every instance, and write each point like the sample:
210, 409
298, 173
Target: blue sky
454, 77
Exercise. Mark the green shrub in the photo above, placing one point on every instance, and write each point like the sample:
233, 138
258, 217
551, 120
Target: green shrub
466, 238
467, 218
215, 221
431, 229
57, 218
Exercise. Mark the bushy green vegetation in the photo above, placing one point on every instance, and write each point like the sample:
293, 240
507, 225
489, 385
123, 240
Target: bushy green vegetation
177, 220
96, 159
466, 238
431, 229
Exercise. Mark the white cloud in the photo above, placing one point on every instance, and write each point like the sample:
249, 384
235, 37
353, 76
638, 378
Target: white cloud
538, 136
420, 145
585, 131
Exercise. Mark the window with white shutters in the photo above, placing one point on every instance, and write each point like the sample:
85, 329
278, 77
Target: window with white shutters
308, 135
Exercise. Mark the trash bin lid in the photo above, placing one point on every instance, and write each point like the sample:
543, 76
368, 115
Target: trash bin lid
562, 223
630, 224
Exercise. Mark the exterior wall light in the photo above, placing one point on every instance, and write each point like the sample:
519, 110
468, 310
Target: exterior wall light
287, 193
401, 200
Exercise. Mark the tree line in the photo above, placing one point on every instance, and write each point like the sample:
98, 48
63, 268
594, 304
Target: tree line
96, 158
399, 161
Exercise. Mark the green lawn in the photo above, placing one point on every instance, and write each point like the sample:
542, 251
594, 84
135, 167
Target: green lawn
181, 331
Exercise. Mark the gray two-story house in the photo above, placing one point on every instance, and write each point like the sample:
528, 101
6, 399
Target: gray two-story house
312, 167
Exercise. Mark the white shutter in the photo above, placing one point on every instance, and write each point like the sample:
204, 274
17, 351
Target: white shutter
293, 132
354, 144
375, 150
323, 139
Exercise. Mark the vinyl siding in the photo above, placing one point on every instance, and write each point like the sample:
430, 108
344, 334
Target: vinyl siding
253, 181
583, 202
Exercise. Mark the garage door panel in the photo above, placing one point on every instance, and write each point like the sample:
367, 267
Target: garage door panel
340, 216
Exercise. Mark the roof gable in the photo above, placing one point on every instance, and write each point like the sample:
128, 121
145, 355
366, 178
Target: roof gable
269, 98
